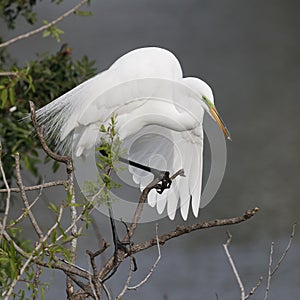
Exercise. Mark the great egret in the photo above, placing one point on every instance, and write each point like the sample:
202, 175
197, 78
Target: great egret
145, 89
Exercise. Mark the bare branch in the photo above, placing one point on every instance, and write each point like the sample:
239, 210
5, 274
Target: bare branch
60, 158
7, 204
180, 230
44, 27
69, 168
25, 200
281, 259
60, 265
252, 291
9, 73
94, 283
37, 187
36, 281
269, 271
85, 287
286, 250
125, 288
92, 255
24, 214
32, 256
131, 228
153, 267
234, 269
142, 201
9, 239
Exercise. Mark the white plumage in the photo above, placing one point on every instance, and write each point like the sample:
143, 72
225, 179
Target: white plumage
146, 91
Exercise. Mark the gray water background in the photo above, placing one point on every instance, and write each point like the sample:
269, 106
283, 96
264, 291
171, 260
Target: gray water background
249, 52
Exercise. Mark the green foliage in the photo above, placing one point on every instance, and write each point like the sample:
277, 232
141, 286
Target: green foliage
10, 10
109, 151
11, 261
53, 31
83, 13
40, 81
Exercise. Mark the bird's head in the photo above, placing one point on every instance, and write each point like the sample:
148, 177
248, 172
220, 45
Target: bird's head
211, 109
206, 94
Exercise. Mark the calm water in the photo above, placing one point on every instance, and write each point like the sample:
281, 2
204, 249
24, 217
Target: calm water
248, 51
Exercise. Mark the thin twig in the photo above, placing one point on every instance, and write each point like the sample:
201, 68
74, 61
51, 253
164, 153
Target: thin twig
142, 201
286, 250
85, 287
73, 211
7, 204
93, 255
92, 285
36, 281
9, 73
10, 240
131, 228
126, 285
69, 168
269, 271
44, 27
60, 158
32, 256
24, 214
107, 293
59, 264
25, 200
36, 187
153, 267
281, 259
93, 278
236, 274
180, 230
85, 207
252, 291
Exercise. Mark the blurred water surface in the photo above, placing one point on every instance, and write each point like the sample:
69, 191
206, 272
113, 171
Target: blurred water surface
248, 51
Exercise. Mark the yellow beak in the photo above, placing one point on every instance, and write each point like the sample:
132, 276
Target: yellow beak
220, 122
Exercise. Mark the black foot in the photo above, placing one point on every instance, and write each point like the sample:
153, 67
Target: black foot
164, 183
123, 246
120, 246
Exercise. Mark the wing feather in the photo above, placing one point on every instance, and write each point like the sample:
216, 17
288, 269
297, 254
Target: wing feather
80, 106
168, 150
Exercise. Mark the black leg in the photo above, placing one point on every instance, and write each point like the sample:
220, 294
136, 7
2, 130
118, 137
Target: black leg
163, 176
164, 183
118, 245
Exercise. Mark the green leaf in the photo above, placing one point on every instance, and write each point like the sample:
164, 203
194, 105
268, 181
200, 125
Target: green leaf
53, 237
12, 97
4, 97
102, 128
83, 13
62, 232
42, 292
46, 33
55, 166
53, 207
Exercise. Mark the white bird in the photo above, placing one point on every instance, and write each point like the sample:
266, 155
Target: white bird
152, 100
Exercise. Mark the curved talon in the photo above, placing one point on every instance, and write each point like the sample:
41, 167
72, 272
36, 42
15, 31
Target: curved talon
119, 245
164, 183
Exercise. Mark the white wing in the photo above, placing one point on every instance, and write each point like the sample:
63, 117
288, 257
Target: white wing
74, 108
146, 90
167, 150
